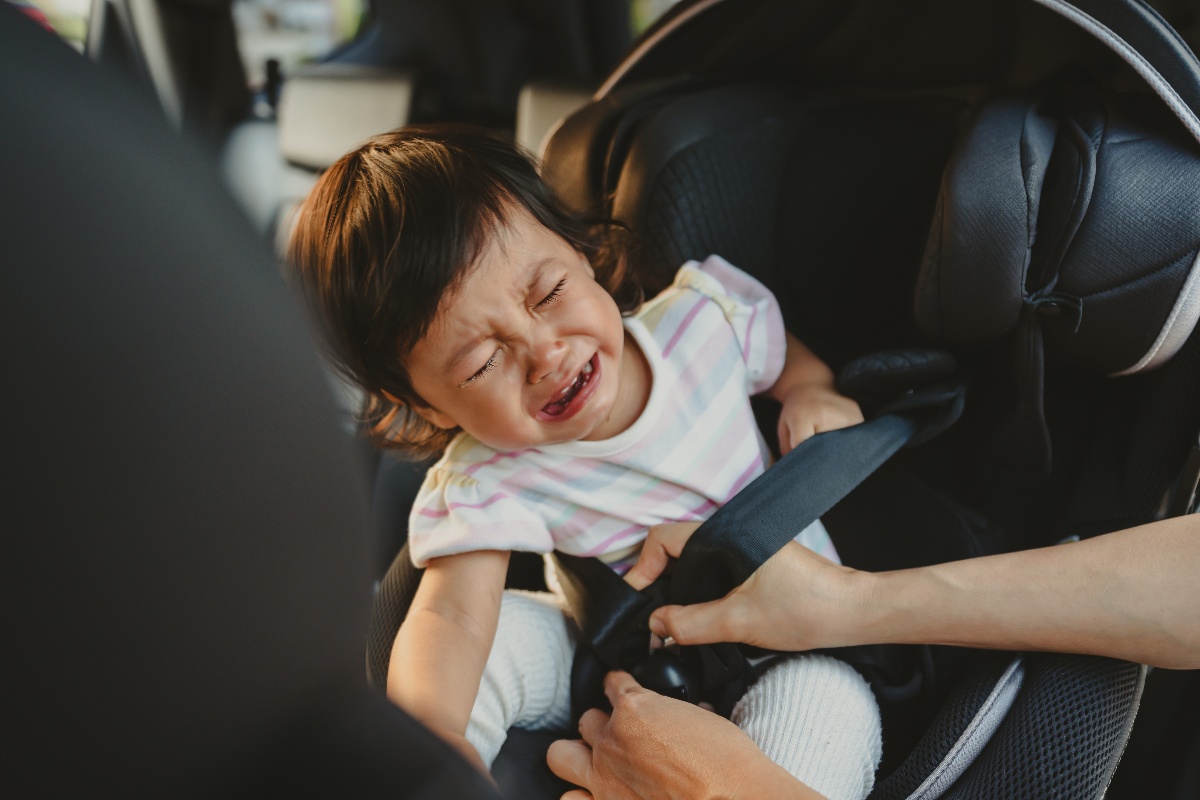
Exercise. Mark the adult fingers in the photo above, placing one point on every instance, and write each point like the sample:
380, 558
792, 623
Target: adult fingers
703, 623
592, 725
617, 683
571, 760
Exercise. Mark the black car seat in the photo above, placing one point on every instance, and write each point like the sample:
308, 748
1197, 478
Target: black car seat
188, 575
819, 170
883, 95
733, 139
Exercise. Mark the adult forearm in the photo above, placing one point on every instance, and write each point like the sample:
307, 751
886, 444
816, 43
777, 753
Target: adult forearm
1132, 594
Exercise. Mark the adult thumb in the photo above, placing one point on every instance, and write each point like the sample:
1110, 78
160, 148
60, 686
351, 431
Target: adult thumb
702, 623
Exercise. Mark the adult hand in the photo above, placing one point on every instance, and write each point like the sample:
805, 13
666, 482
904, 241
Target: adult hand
657, 748
797, 600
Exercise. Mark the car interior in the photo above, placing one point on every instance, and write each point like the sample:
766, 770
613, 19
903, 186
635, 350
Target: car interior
209, 553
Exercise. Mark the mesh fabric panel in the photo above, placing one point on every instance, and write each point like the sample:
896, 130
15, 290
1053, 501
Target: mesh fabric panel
718, 196
1067, 730
955, 715
392, 600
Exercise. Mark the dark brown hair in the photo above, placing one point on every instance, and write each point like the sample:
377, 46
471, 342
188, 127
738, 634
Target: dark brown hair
397, 223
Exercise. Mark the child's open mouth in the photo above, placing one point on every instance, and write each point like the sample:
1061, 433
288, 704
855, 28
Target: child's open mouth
562, 401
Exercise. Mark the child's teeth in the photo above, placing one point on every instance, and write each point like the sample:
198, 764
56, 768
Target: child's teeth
587, 368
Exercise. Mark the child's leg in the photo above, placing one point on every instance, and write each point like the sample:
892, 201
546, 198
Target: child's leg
816, 717
527, 680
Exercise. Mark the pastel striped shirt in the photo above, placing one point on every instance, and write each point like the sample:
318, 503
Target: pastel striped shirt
712, 339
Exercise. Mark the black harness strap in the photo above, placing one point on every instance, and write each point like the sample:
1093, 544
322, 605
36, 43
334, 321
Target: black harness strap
767, 514
727, 548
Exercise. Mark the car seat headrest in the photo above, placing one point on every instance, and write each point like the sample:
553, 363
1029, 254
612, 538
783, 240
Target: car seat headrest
1069, 222
327, 109
1074, 210
984, 224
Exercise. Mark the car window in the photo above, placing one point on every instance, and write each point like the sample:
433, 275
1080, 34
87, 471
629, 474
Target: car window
643, 13
67, 18
275, 36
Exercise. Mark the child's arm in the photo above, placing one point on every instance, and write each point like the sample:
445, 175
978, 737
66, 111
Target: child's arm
811, 404
443, 645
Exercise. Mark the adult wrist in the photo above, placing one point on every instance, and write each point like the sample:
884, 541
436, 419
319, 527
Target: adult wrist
911, 606
874, 611
763, 778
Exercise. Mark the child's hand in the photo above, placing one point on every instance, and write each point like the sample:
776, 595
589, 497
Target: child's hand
663, 542
812, 408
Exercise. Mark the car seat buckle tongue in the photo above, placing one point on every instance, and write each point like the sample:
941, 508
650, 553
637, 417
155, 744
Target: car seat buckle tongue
695, 673
1057, 305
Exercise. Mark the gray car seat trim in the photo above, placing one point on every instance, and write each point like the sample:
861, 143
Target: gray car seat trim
649, 43
1131, 57
976, 735
1093, 26
1178, 328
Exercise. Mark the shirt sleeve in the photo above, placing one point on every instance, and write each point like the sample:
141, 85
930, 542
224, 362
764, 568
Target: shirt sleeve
752, 312
455, 513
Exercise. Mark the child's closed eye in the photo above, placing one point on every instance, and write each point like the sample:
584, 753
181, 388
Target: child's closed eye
554, 295
486, 368
491, 362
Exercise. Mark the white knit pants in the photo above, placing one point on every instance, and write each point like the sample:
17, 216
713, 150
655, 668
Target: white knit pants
811, 714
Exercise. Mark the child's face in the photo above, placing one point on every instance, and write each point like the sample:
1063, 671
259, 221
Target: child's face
528, 350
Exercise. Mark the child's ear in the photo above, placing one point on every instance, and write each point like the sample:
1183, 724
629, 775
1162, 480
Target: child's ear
435, 417
430, 414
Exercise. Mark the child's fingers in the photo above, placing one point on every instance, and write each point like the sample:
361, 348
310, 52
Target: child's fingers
652, 561
663, 542
801, 423
673, 536
791, 435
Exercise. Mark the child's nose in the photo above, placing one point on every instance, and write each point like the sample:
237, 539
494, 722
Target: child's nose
546, 359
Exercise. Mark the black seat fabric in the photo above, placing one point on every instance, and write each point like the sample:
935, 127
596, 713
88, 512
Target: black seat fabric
827, 200
188, 575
